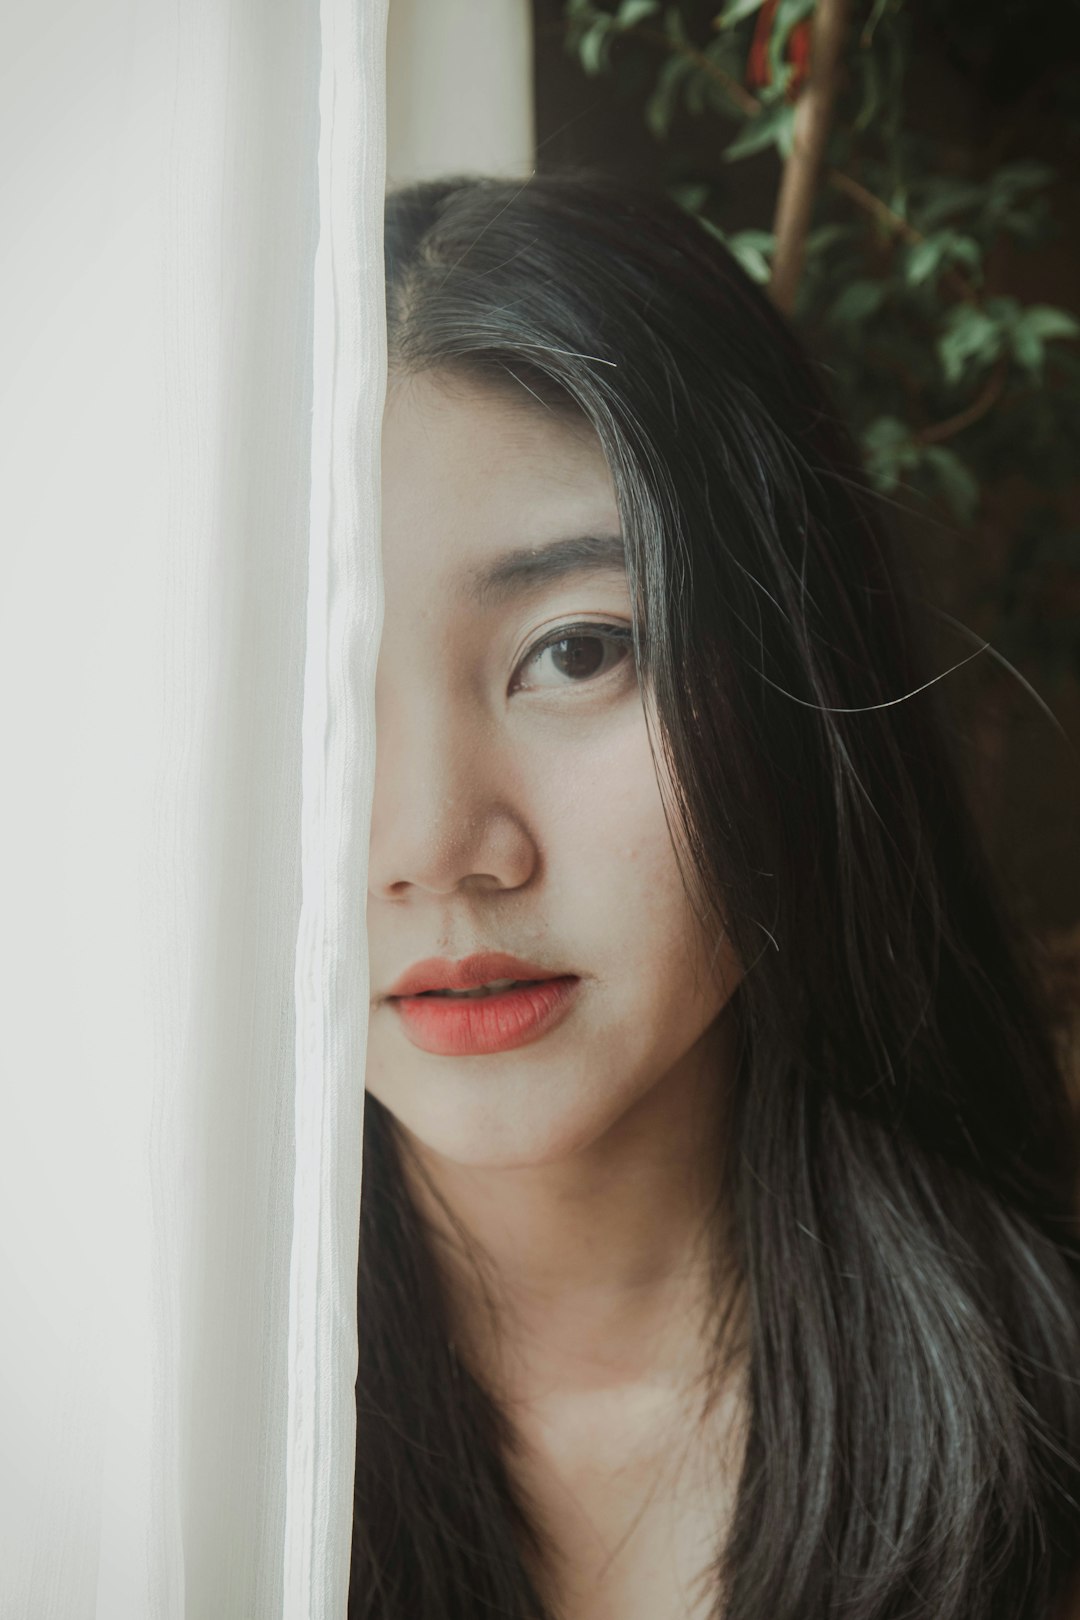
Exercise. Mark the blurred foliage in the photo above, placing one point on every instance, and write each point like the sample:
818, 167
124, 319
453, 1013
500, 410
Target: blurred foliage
950, 380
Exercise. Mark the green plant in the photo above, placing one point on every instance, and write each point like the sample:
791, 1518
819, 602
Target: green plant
892, 257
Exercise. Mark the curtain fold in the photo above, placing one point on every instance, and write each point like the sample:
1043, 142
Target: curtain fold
344, 621
191, 370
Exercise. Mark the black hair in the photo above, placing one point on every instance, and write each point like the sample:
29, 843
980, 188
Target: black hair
903, 1168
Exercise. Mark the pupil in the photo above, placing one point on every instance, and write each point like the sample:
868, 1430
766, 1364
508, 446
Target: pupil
577, 664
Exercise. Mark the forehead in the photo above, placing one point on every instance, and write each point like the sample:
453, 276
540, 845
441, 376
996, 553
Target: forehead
492, 494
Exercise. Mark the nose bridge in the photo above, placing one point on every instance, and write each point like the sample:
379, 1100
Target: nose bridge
438, 792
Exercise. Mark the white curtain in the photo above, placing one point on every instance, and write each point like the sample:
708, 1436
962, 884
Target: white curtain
192, 367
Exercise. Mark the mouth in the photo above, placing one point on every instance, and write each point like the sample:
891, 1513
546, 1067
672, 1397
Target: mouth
481, 992
485, 974
485, 1019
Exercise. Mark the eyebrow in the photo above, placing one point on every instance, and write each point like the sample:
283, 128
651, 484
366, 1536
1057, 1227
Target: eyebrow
513, 573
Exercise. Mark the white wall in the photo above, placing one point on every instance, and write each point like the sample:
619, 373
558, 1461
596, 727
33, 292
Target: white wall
459, 88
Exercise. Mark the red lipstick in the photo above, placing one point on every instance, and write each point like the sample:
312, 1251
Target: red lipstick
439, 973
503, 1019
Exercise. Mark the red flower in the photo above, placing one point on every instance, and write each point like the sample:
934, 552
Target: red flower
797, 51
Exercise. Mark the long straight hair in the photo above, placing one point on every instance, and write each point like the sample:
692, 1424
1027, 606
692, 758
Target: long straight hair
902, 1176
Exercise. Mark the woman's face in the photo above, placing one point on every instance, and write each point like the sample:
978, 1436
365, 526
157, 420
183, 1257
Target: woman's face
516, 806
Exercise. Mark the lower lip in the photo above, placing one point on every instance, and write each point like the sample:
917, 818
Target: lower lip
450, 1027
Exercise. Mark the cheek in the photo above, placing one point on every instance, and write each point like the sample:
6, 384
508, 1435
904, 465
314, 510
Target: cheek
599, 815
614, 877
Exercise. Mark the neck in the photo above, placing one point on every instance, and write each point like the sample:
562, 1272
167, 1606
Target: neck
597, 1271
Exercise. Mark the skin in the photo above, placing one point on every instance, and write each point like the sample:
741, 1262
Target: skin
517, 807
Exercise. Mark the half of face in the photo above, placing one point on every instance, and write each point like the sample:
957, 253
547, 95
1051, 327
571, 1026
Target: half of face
516, 804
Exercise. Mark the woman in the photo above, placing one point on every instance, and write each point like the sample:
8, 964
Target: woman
729, 1265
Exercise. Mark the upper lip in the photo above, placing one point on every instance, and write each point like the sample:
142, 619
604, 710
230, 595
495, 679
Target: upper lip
439, 973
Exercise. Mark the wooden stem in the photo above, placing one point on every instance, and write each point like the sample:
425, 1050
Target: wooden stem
798, 186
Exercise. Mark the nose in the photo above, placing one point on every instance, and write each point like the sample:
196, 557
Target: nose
445, 814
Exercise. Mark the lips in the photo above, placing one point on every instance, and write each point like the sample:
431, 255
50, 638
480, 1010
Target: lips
464, 1027
486, 967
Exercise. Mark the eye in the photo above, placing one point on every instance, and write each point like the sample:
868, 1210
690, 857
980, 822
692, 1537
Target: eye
581, 653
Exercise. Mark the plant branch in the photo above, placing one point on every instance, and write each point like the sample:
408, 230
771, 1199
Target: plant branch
743, 99
799, 182
751, 106
980, 406
899, 226
874, 205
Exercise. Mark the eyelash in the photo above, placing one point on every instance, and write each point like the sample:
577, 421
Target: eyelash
621, 634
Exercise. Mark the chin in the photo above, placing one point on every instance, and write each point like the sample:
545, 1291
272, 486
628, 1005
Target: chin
499, 1138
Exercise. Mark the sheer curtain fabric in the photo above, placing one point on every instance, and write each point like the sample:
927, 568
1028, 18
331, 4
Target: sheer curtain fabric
192, 374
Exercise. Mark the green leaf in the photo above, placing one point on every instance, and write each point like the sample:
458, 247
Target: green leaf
858, 300
753, 249
635, 11
674, 26
593, 46
1015, 177
763, 241
1047, 322
867, 37
970, 335
713, 230
1005, 311
889, 450
774, 126
923, 259
785, 137
871, 89
966, 249
689, 194
956, 481
944, 199
697, 91
735, 11
825, 236
776, 89
886, 433
1007, 208
926, 258
726, 51
1025, 226
788, 14
661, 105
755, 264
1028, 351
1032, 328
